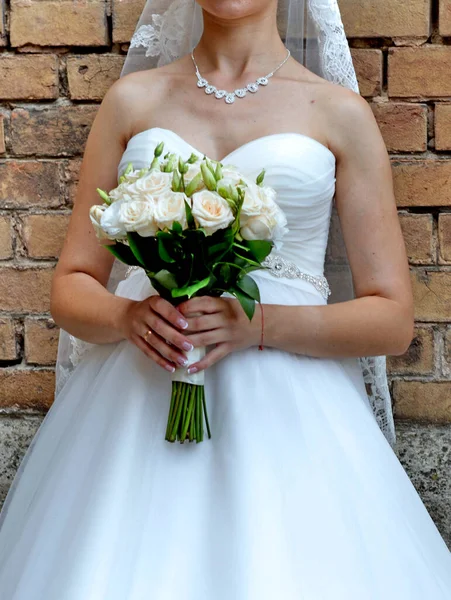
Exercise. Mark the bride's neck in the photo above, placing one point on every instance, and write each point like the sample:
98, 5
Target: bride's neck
236, 47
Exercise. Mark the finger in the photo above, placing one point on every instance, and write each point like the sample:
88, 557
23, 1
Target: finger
168, 312
163, 348
210, 358
204, 304
206, 338
151, 353
205, 322
167, 332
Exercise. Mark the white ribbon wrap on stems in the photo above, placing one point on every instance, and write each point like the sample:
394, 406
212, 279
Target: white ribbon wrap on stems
181, 373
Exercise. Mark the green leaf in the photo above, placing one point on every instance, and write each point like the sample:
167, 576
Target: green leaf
135, 248
162, 250
259, 248
247, 304
166, 279
225, 272
189, 215
123, 253
249, 287
190, 290
176, 227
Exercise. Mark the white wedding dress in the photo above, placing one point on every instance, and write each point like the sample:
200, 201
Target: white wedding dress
297, 495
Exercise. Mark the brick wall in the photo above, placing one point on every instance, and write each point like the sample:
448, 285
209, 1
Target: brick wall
57, 59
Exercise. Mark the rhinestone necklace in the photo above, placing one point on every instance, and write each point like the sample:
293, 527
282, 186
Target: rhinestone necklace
229, 97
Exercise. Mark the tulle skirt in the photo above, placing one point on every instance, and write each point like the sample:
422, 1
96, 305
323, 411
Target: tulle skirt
297, 495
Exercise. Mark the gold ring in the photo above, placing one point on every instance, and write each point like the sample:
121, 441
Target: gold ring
148, 332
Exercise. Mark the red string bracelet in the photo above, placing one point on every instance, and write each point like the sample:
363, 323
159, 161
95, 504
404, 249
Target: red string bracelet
260, 347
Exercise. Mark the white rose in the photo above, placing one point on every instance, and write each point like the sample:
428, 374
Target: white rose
252, 204
95, 214
110, 221
268, 196
231, 173
270, 224
123, 191
155, 184
169, 208
138, 216
258, 228
211, 211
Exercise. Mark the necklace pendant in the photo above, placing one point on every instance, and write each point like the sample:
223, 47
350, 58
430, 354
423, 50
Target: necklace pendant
230, 97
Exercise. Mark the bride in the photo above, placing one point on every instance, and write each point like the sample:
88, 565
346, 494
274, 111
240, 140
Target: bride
297, 495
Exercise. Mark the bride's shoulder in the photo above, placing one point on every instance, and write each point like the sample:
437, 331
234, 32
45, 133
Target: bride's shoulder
137, 95
152, 82
349, 119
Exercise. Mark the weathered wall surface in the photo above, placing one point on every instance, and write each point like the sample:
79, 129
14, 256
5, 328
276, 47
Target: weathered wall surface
58, 58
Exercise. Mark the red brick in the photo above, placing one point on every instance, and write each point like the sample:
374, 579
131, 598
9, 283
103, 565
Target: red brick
385, 18
403, 125
90, 76
58, 23
32, 77
61, 130
432, 295
419, 358
25, 289
8, 349
368, 68
445, 17
418, 237
444, 236
2, 135
26, 389
125, 18
423, 401
423, 182
29, 183
44, 234
6, 245
419, 72
443, 126
41, 341
3, 40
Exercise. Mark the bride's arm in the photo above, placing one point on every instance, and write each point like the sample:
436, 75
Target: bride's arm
80, 302
380, 320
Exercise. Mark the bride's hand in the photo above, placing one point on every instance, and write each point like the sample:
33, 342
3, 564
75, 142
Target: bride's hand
164, 322
222, 322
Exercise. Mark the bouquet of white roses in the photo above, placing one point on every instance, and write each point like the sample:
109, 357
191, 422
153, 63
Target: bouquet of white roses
196, 227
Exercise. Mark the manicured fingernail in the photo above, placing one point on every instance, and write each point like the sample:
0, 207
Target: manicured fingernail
182, 361
187, 346
192, 370
169, 368
182, 323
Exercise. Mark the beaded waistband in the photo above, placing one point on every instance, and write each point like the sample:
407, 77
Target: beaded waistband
281, 267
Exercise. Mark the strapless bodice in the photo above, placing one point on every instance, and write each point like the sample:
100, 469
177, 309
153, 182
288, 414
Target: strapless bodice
299, 168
